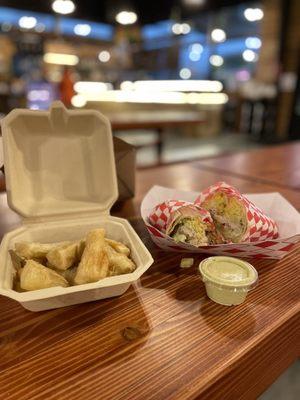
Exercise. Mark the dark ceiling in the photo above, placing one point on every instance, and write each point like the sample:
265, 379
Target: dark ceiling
104, 10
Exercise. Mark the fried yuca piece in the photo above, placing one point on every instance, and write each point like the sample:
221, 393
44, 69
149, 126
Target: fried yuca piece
94, 262
118, 246
63, 257
34, 250
35, 276
68, 274
119, 263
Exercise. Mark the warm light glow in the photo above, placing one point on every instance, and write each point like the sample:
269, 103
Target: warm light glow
27, 22
104, 56
185, 73
185, 28
250, 56
92, 87
63, 6
176, 86
253, 14
78, 101
61, 59
218, 35
126, 17
194, 3
127, 85
82, 29
216, 60
207, 98
176, 29
124, 96
253, 43
179, 29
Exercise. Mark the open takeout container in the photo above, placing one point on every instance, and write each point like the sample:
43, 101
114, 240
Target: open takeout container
61, 178
274, 205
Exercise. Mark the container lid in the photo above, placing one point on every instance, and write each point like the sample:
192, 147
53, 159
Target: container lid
58, 162
228, 271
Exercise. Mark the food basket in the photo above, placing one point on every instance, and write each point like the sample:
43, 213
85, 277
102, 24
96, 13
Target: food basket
274, 205
61, 179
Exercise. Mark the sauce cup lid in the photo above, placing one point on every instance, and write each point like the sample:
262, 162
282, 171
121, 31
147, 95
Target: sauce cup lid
228, 272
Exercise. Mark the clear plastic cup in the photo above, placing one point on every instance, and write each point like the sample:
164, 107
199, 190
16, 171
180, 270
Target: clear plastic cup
227, 279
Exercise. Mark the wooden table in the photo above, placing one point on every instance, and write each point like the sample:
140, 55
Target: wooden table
163, 339
154, 120
261, 165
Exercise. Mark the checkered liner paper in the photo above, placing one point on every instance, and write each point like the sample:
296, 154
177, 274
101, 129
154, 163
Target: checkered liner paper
260, 227
161, 213
261, 239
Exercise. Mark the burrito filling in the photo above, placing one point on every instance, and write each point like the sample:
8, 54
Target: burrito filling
229, 216
191, 230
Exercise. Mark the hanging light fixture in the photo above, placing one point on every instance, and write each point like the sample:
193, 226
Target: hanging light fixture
126, 17
63, 6
123, 12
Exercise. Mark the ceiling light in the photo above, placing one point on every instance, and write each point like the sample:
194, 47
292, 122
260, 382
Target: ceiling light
78, 101
27, 22
216, 60
126, 17
253, 43
104, 56
250, 56
176, 29
82, 29
63, 6
185, 73
197, 48
218, 35
253, 14
185, 28
61, 59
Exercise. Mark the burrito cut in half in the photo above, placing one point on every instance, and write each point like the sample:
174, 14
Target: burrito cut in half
229, 215
235, 217
192, 225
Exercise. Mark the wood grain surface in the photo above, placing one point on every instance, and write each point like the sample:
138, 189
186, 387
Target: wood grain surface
163, 339
277, 164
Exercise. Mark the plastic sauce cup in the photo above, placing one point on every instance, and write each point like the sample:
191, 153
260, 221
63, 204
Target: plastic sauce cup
227, 279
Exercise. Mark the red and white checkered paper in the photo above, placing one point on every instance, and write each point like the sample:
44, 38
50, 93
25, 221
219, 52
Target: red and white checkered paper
279, 209
260, 226
161, 213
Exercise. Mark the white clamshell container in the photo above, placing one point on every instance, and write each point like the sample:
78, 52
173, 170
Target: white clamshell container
61, 178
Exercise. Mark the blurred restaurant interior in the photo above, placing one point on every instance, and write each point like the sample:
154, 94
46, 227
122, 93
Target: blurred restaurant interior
178, 79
